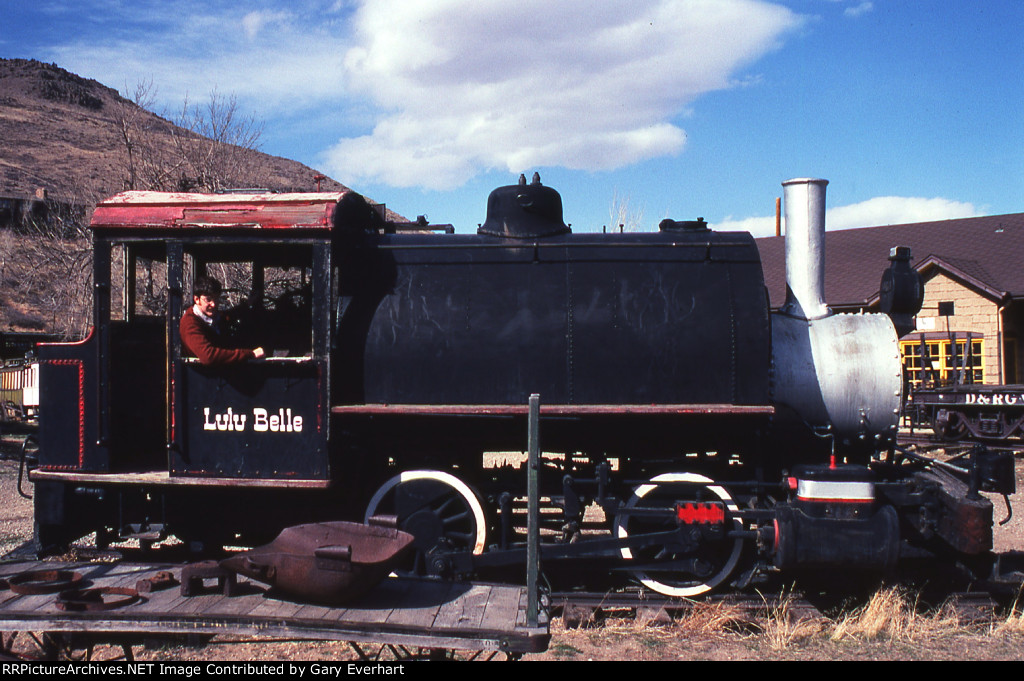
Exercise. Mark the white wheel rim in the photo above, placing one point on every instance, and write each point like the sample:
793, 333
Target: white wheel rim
718, 577
462, 488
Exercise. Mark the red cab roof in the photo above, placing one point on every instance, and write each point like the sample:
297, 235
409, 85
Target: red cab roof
178, 210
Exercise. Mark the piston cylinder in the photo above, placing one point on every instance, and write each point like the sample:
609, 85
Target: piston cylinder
803, 540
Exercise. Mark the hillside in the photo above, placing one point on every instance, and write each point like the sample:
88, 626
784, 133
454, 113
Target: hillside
63, 133
60, 131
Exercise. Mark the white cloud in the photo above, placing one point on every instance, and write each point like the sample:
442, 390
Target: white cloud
254, 22
758, 226
896, 210
452, 87
468, 86
881, 210
275, 60
862, 8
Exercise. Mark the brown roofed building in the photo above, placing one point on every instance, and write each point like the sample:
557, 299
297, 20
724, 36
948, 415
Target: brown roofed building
973, 311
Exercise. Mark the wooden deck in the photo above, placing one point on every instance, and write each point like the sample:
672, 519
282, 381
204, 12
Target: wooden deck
407, 612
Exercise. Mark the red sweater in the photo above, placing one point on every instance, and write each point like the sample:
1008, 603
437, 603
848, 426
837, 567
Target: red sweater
199, 338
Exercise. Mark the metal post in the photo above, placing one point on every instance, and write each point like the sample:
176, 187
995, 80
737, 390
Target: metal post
533, 513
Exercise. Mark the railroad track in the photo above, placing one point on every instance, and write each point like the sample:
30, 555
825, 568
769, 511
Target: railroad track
743, 610
580, 609
973, 602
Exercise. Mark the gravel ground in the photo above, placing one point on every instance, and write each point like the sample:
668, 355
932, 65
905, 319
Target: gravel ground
16, 516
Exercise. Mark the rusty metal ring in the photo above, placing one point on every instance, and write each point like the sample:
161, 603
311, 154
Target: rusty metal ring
43, 581
95, 599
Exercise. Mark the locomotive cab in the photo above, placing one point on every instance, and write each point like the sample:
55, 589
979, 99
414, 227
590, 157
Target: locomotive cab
229, 421
135, 408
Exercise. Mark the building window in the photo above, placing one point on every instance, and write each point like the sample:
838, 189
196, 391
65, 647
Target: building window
935, 362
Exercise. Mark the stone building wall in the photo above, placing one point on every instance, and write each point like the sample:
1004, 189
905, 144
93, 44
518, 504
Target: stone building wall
973, 311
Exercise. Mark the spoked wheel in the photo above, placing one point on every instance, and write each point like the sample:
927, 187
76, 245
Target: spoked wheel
703, 557
952, 427
435, 507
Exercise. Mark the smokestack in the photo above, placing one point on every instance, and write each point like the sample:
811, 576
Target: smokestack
805, 248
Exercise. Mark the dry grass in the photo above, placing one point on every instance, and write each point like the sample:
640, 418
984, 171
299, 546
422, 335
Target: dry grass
890, 625
1014, 622
893, 615
710, 617
784, 627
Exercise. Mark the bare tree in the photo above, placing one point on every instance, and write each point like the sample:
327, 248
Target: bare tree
205, 148
212, 141
625, 217
53, 277
128, 126
148, 160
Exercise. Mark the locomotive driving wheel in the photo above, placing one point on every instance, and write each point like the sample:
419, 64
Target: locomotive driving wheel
702, 557
439, 510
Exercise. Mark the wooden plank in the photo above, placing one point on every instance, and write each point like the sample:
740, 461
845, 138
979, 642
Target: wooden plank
6, 597
161, 602
502, 607
313, 612
14, 568
376, 605
121, 578
466, 611
193, 605
34, 604
158, 602
422, 604
275, 609
241, 604
524, 600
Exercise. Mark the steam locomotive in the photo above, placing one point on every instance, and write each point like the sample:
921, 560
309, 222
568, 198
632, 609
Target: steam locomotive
693, 437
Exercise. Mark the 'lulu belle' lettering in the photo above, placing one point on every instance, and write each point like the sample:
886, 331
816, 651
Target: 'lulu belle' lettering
262, 421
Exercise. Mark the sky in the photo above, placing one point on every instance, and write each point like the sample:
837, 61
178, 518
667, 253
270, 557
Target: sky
633, 110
